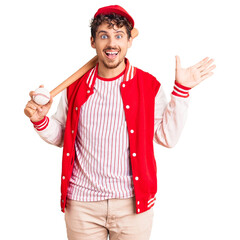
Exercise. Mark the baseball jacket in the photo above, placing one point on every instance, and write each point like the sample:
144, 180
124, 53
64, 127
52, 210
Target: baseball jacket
148, 116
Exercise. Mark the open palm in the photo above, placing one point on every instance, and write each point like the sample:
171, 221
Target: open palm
192, 76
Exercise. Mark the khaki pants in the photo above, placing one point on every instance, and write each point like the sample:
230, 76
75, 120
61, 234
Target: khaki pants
113, 217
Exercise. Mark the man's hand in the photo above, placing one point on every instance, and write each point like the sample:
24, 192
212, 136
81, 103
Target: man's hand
192, 76
38, 111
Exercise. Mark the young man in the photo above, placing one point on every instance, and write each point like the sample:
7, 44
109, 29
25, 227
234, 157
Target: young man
106, 122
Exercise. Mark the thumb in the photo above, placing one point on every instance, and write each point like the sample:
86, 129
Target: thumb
178, 63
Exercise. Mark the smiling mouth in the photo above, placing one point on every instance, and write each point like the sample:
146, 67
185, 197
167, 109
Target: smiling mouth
111, 55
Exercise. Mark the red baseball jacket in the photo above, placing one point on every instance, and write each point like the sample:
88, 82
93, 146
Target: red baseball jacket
138, 96
138, 91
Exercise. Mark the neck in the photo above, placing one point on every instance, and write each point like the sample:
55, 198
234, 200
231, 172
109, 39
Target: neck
106, 72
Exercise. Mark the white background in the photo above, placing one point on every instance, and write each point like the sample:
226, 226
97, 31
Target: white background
44, 42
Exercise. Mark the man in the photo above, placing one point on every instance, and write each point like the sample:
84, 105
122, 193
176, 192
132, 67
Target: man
106, 122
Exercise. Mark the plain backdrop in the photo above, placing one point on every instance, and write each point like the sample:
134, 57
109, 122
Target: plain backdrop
44, 42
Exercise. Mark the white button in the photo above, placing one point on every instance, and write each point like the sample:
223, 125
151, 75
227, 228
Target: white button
131, 131
138, 203
134, 154
127, 106
72, 131
63, 177
76, 108
88, 91
138, 210
123, 85
62, 201
136, 178
68, 154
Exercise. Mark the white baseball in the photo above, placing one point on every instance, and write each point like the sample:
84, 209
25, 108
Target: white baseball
42, 96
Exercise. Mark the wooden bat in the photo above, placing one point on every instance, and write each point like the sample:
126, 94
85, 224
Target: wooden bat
75, 76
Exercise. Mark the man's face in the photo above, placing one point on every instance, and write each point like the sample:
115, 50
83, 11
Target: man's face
111, 45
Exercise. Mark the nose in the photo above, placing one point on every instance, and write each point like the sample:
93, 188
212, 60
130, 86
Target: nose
112, 42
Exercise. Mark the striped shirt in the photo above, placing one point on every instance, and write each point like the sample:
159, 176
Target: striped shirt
102, 168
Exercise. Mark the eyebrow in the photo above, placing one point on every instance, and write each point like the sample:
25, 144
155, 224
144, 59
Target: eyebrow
102, 31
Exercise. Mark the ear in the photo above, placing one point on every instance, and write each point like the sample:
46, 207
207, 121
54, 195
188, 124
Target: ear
92, 42
130, 42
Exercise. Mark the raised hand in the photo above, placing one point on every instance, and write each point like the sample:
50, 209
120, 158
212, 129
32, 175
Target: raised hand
192, 76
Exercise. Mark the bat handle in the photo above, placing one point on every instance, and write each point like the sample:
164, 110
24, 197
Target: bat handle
90, 64
134, 33
29, 112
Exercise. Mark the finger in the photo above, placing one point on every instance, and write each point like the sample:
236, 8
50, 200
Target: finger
201, 62
32, 105
178, 62
32, 93
206, 76
41, 86
39, 109
207, 70
36, 107
205, 65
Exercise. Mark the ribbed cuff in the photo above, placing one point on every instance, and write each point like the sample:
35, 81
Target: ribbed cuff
41, 125
180, 90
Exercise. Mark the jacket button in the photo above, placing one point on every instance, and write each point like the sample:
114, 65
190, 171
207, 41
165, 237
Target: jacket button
138, 210
63, 177
72, 131
136, 178
123, 85
138, 202
134, 154
131, 131
68, 154
127, 107
88, 91
76, 108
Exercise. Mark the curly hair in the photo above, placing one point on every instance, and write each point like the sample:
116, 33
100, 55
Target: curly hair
112, 20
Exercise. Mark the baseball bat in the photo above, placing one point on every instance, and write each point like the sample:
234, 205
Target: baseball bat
75, 76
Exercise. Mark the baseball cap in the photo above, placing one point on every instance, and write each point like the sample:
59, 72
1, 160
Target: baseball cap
115, 9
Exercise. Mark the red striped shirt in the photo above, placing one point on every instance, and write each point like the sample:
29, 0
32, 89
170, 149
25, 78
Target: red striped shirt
102, 165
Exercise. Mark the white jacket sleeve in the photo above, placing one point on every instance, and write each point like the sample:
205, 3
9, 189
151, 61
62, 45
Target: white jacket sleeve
52, 129
169, 118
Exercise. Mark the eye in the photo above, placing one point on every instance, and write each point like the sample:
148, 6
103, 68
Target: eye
104, 36
119, 36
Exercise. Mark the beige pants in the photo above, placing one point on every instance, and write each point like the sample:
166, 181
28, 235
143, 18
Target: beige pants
113, 217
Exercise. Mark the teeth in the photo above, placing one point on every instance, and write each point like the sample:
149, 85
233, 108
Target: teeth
112, 53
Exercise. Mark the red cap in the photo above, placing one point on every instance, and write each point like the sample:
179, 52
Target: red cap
115, 9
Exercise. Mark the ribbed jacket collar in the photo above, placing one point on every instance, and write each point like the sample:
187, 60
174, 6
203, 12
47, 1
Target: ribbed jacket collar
130, 72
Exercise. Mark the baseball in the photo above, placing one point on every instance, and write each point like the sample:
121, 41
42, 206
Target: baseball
42, 96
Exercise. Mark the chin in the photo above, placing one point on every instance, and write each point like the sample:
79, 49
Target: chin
112, 65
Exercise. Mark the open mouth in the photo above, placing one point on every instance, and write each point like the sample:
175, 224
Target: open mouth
111, 55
